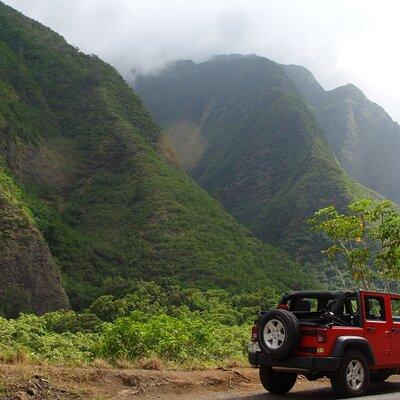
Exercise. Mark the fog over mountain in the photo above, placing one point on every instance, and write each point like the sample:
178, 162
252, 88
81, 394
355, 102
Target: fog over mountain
339, 41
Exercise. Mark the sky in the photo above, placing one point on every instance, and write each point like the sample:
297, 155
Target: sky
340, 41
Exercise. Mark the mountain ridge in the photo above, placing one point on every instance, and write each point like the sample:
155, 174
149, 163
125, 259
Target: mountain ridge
257, 145
363, 136
101, 183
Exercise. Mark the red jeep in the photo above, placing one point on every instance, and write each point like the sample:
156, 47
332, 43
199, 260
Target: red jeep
351, 337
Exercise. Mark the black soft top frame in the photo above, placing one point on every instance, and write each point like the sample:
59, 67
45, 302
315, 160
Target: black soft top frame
320, 294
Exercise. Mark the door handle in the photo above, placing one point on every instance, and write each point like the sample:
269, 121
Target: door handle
396, 330
371, 329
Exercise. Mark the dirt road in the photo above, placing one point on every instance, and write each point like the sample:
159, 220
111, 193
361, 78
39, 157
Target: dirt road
314, 391
29, 382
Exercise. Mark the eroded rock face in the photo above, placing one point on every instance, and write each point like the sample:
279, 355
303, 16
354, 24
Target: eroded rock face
29, 278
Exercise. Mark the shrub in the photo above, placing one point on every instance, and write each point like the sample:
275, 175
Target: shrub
69, 321
29, 335
180, 339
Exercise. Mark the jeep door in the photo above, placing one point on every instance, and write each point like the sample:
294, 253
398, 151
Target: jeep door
395, 329
376, 311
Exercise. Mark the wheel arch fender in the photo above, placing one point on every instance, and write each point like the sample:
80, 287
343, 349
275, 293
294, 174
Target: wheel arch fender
345, 343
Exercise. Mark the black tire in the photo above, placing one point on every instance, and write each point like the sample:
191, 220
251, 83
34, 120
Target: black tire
291, 339
379, 375
277, 382
339, 381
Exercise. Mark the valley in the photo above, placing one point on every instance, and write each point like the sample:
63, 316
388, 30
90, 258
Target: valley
254, 144
148, 216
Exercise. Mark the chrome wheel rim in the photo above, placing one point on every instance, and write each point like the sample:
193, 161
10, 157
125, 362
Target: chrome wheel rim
274, 334
355, 374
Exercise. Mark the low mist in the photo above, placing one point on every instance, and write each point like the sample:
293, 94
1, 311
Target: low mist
339, 41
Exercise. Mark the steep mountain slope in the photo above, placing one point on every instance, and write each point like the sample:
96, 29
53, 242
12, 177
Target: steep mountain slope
243, 132
29, 277
363, 136
100, 180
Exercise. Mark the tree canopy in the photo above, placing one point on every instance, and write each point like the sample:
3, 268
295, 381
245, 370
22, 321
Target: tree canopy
365, 239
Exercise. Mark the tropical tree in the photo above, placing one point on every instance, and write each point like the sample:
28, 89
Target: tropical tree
366, 239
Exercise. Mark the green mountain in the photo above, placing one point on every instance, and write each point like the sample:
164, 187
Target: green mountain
363, 136
88, 175
245, 134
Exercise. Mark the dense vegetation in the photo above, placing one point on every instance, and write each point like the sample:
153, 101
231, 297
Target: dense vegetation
100, 185
363, 136
154, 326
169, 325
246, 135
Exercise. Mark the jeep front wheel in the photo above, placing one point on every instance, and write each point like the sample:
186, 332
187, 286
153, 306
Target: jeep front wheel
352, 378
277, 382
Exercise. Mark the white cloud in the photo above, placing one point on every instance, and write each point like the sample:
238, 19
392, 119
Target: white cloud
340, 41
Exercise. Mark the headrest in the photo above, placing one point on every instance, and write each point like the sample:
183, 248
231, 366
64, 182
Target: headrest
304, 305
